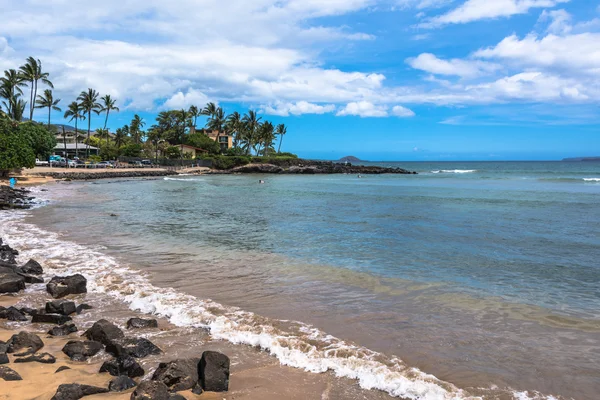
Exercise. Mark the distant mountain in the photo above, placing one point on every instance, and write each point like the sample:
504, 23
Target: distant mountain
582, 159
350, 159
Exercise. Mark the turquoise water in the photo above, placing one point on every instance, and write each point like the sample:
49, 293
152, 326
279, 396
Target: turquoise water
479, 273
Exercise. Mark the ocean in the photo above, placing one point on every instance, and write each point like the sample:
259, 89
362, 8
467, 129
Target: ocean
468, 280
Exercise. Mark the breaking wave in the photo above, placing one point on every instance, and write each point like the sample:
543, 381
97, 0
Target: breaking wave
453, 171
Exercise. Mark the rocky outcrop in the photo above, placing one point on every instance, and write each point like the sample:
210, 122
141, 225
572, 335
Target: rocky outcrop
139, 323
104, 332
300, 166
124, 365
75, 391
83, 175
10, 281
61, 286
24, 340
213, 371
257, 169
82, 350
178, 375
14, 198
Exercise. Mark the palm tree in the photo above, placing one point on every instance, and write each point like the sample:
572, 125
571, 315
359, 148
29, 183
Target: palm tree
265, 138
89, 103
233, 126
10, 89
108, 104
137, 123
280, 131
195, 113
32, 72
47, 100
120, 136
252, 122
209, 110
74, 112
216, 121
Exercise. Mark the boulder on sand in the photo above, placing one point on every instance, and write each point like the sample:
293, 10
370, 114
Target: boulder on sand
56, 319
10, 281
12, 314
61, 286
104, 332
81, 351
151, 390
63, 330
124, 365
24, 340
44, 358
135, 347
121, 384
178, 375
30, 278
62, 307
139, 323
213, 371
8, 374
75, 391
32, 268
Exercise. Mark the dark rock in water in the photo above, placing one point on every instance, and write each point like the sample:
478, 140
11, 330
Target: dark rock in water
258, 168
82, 307
151, 390
10, 282
8, 374
55, 319
138, 323
124, 365
62, 307
178, 375
3, 358
61, 286
12, 314
135, 347
24, 340
104, 332
32, 268
28, 311
75, 391
197, 389
121, 384
213, 371
44, 358
30, 278
63, 330
61, 369
8, 254
13, 198
81, 351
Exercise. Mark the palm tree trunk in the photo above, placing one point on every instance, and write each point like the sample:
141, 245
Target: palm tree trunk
65, 140
280, 140
31, 102
34, 97
49, 110
76, 138
87, 144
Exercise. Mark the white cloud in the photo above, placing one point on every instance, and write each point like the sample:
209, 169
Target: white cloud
560, 21
457, 67
298, 108
185, 100
364, 109
402, 112
474, 10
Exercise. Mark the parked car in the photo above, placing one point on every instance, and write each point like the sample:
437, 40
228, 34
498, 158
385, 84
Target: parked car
104, 164
40, 163
138, 164
79, 163
146, 163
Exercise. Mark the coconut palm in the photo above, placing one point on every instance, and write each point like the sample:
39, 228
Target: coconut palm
217, 120
10, 89
194, 113
31, 72
252, 122
137, 123
280, 131
75, 112
120, 137
108, 104
234, 126
47, 100
209, 109
89, 104
264, 138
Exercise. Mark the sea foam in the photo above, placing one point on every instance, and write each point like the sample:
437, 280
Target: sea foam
454, 171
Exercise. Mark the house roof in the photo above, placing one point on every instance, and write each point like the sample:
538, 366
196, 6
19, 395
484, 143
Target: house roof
71, 146
192, 147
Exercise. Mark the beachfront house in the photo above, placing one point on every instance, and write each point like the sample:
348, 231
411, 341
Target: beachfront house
224, 140
67, 144
191, 151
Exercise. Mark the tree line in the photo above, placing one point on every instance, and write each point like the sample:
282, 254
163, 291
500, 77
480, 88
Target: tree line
172, 129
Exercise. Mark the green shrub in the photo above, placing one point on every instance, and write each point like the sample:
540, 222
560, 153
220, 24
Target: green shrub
94, 158
42, 142
131, 150
15, 149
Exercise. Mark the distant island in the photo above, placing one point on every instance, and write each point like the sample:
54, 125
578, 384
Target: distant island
350, 159
582, 159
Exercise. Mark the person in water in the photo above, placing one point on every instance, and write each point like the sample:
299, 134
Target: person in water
261, 181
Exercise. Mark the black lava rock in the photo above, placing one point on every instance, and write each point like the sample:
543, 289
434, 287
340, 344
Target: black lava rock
44, 358
62, 307
82, 307
104, 332
121, 384
61, 286
213, 371
81, 351
8, 374
151, 390
139, 323
10, 282
178, 375
63, 330
61, 369
32, 268
56, 319
12, 314
135, 347
24, 340
75, 391
124, 365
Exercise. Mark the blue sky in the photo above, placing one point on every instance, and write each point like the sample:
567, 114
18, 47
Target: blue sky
378, 79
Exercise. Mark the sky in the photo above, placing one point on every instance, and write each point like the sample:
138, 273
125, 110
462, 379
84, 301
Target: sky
378, 79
